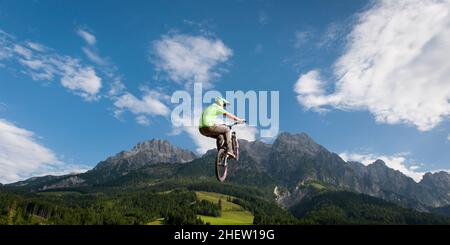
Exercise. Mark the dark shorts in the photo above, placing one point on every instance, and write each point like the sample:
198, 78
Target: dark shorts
217, 130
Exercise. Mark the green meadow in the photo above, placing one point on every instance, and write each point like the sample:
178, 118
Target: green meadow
231, 213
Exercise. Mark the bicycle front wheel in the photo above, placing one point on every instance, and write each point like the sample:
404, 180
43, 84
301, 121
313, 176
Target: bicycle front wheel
221, 165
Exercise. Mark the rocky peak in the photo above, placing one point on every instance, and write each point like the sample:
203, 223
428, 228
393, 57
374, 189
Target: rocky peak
298, 143
440, 180
158, 150
148, 152
379, 163
154, 144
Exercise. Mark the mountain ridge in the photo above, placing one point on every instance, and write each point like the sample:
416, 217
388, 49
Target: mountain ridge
291, 163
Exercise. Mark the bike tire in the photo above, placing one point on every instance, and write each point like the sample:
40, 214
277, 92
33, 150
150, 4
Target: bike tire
221, 165
235, 147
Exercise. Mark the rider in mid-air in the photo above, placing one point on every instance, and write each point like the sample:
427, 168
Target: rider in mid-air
208, 126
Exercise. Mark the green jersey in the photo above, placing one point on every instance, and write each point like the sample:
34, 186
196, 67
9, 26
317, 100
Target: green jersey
210, 114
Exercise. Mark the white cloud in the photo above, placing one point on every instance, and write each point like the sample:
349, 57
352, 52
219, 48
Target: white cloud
40, 69
82, 81
33, 64
116, 87
184, 58
94, 56
22, 156
310, 89
394, 66
188, 59
310, 83
91, 51
396, 161
4, 52
106, 67
149, 105
43, 64
448, 137
36, 46
331, 34
87, 36
26, 53
142, 120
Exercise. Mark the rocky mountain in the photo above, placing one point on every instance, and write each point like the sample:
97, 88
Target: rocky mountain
437, 185
292, 168
296, 161
295, 158
392, 185
143, 154
438, 181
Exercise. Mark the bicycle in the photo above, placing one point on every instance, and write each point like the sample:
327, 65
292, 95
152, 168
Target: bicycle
222, 156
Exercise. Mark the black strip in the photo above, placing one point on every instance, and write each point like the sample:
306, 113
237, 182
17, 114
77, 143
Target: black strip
265, 234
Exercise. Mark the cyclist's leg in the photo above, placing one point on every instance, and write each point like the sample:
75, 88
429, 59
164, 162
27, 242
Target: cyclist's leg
220, 141
206, 131
211, 133
223, 130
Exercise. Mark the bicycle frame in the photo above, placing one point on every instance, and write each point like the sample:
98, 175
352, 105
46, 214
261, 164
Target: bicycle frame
220, 140
222, 156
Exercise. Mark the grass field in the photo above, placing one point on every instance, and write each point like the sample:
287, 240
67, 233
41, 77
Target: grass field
232, 214
159, 221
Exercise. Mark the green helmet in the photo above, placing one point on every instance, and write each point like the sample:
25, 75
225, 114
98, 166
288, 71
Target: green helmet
221, 101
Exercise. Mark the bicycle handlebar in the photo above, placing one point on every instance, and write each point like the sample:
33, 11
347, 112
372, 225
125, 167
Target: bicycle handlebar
235, 123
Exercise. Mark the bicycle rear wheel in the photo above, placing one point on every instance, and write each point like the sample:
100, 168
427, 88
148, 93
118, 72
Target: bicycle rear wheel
221, 165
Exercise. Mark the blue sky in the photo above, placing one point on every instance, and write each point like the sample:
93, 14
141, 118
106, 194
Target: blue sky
83, 80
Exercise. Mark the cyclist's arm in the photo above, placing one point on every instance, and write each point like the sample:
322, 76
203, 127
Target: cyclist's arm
233, 116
